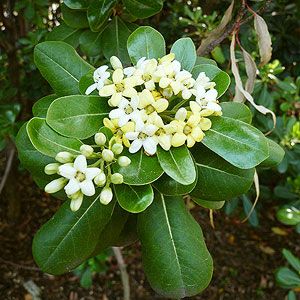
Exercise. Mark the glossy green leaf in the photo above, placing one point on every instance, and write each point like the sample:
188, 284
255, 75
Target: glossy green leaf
74, 18
204, 61
218, 180
291, 295
129, 233
85, 81
143, 8
169, 187
77, 4
114, 40
276, 154
240, 144
40, 107
209, 204
134, 199
61, 66
91, 43
49, 142
175, 258
145, 42
237, 111
99, 12
292, 259
185, 52
220, 77
142, 170
65, 34
178, 164
288, 215
287, 278
77, 116
69, 238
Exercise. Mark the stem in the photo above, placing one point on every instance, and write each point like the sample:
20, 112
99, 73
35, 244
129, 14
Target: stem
178, 105
124, 274
7, 168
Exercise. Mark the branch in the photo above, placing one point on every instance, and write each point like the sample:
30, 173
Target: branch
7, 168
124, 274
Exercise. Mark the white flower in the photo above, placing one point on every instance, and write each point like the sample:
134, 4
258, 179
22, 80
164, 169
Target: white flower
146, 70
55, 185
126, 111
150, 104
100, 77
204, 81
117, 64
80, 176
106, 195
183, 83
143, 138
124, 161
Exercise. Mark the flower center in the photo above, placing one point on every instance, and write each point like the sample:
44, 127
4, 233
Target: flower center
128, 109
160, 131
187, 129
149, 109
142, 136
120, 87
147, 77
80, 176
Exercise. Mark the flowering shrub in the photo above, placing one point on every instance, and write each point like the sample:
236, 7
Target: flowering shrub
122, 145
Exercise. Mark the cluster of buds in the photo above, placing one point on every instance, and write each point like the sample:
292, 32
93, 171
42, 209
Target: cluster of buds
79, 179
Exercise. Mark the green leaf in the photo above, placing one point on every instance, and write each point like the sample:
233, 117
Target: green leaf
287, 278
292, 259
247, 205
49, 142
129, 233
99, 12
142, 9
276, 155
169, 187
61, 66
218, 180
41, 106
204, 61
240, 144
86, 279
74, 18
145, 42
220, 77
87, 80
185, 52
134, 199
291, 296
114, 40
209, 204
69, 238
178, 164
77, 116
91, 43
288, 215
76, 4
65, 34
237, 111
175, 258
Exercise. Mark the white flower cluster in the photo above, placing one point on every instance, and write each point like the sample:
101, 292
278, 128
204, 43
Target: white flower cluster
79, 179
156, 103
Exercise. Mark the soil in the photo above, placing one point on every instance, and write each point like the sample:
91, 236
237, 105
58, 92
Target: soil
244, 257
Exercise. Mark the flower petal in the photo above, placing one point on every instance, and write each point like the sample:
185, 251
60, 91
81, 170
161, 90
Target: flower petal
132, 135
116, 113
107, 90
67, 171
76, 203
87, 187
72, 187
91, 173
150, 145
91, 88
80, 163
135, 146
117, 76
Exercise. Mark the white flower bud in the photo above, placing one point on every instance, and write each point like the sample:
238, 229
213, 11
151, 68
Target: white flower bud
124, 161
117, 178
100, 179
116, 63
64, 157
86, 150
100, 139
51, 169
55, 185
117, 148
76, 201
106, 195
108, 155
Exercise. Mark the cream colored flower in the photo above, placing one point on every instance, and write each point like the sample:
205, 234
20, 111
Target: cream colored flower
150, 104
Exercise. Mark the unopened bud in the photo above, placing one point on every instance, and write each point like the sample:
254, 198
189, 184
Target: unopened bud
100, 179
64, 157
108, 155
55, 185
51, 169
100, 139
117, 148
124, 161
106, 195
86, 150
117, 178
116, 63
76, 201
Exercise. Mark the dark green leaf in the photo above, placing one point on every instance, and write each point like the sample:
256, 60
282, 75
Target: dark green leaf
143, 8
292, 259
76, 4
74, 18
91, 43
204, 61
77, 116
275, 157
86, 279
175, 258
85, 81
209, 204
287, 278
41, 106
237, 111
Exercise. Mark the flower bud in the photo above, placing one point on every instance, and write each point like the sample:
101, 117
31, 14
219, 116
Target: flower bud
124, 161
76, 201
51, 169
55, 185
64, 157
117, 148
106, 195
86, 150
117, 178
100, 179
108, 155
100, 139
115, 63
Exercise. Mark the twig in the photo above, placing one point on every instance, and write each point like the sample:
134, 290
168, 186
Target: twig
124, 274
7, 168
4, 261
